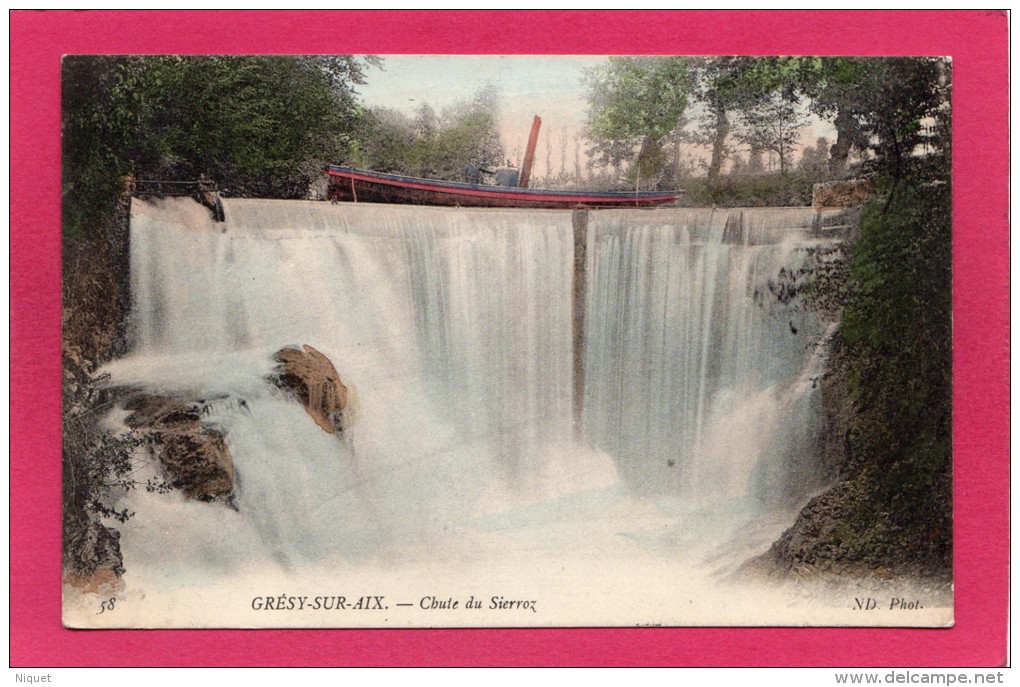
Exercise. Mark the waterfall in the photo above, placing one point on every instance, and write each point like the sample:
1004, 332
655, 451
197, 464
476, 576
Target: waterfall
452, 329
699, 376
469, 469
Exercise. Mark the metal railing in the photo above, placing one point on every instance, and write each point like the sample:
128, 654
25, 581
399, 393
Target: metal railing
205, 191
163, 187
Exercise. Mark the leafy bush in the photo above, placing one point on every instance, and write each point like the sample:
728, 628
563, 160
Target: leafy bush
750, 190
436, 146
898, 329
96, 465
251, 123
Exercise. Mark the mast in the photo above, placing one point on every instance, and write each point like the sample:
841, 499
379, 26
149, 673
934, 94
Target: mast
529, 155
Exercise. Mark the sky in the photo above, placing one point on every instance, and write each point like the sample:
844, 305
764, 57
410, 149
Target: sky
550, 86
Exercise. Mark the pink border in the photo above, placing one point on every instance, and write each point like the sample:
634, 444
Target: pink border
975, 39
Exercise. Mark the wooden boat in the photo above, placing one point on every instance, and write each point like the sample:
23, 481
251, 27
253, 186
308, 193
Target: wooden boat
362, 186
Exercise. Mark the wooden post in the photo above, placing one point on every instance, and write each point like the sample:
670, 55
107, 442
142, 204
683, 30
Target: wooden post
580, 224
529, 155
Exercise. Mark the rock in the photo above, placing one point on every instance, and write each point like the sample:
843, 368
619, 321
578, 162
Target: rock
97, 563
159, 412
198, 462
805, 545
127, 184
311, 377
72, 353
841, 194
195, 458
101, 581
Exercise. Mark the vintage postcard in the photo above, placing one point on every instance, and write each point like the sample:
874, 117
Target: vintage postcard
401, 341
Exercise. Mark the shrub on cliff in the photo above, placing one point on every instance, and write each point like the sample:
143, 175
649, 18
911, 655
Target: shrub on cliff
96, 464
898, 329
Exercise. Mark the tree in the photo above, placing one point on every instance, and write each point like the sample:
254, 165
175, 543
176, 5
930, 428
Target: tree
247, 121
635, 101
469, 135
388, 142
738, 166
876, 104
252, 123
755, 165
577, 156
677, 146
426, 123
563, 155
725, 85
894, 346
814, 158
835, 88
104, 99
773, 124
430, 145
719, 90
345, 73
548, 158
905, 108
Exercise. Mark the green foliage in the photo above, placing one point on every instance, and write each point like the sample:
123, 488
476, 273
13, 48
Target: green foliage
744, 86
634, 100
751, 190
96, 464
901, 265
247, 121
773, 124
879, 105
901, 96
259, 125
386, 142
897, 328
637, 97
102, 104
431, 145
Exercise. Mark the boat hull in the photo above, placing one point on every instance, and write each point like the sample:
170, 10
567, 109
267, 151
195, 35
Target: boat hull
352, 185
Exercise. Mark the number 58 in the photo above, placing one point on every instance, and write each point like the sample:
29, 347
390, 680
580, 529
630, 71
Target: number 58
107, 605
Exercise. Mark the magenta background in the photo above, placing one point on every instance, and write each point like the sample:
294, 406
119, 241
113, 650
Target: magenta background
977, 42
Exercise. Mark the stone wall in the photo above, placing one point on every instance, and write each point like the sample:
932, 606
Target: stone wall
841, 194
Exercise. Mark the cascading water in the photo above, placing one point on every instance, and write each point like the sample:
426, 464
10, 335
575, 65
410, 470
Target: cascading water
453, 330
699, 376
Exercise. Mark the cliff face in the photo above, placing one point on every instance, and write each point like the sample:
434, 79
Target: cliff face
888, 406
98, 547
95, 288
838, 410
95, 302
